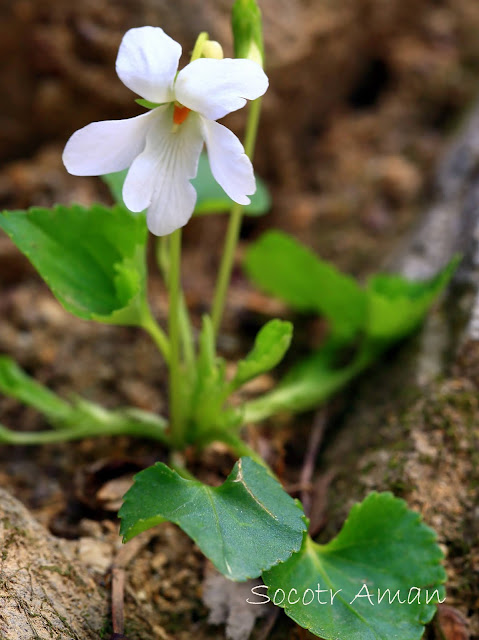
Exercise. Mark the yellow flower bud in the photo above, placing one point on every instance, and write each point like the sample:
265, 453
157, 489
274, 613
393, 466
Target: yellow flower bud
212, 49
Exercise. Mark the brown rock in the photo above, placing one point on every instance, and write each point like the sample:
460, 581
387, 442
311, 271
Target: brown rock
43, 593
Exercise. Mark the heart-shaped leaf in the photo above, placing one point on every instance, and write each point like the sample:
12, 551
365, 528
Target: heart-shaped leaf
245, 526
339, 591
93, 259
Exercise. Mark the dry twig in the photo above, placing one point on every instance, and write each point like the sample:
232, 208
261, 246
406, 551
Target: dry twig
314, 443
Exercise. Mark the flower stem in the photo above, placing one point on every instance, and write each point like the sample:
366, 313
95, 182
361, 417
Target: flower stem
158, 335
186, 329
177, 462
176, 422
234, 226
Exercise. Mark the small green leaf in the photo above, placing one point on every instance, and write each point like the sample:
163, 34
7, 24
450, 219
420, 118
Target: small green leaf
283, 267
270, 345
245, 526
396, 306
93, 259
210, 196
382, 545
15, 383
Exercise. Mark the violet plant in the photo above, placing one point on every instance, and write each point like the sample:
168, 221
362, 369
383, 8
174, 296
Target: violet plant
94, 260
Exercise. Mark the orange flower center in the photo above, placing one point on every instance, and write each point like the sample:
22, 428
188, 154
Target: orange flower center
180, 113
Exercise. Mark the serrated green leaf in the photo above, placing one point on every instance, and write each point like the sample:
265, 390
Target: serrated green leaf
283, 267
271, 344
93, 259
396, 306
210, 196
382, 545
244, 526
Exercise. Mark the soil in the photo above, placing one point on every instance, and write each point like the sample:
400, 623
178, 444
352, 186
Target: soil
365, 97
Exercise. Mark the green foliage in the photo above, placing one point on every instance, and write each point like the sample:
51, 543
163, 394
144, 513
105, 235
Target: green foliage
245, 526
363, 323
208, 409
309, 383
281, 266
382, 545
14, 382
397, 305
93, 259
270, 345
72, 419
210, 196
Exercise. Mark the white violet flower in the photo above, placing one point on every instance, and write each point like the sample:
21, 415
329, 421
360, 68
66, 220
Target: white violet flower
162, 147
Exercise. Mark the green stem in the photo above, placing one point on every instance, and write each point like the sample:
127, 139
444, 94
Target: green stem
177, 463
88, 429
241, 449
234, 226
176, 421
158, 335
186, 330
303, 395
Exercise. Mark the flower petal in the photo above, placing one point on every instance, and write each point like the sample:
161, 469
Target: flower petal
147, 63
159, 178
229, 164
105, 147
214, 88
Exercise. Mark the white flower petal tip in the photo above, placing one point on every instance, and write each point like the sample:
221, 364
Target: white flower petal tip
230, 166
147, 63
106, 147
215, 88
